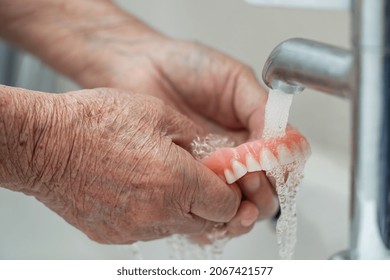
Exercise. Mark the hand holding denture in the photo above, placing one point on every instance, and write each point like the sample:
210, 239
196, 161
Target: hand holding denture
216, 92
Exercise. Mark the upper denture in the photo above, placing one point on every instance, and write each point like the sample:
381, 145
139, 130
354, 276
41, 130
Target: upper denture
262, 154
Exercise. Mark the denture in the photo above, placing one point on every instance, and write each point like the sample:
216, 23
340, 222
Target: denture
259, 155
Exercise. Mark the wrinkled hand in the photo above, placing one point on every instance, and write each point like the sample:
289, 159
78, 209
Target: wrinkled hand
110, 164
216, 92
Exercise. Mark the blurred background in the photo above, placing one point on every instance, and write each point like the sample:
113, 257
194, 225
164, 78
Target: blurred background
248, 33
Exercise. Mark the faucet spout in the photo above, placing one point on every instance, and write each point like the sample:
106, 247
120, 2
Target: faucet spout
299, 63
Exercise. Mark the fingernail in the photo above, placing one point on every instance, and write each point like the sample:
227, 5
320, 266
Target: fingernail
248, 222
251, 182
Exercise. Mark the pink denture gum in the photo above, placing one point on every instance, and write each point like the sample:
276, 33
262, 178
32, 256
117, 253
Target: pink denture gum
232, 163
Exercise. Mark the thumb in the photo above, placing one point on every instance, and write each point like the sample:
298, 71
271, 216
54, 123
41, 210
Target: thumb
210, 197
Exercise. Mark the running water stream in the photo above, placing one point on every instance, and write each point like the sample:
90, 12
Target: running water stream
277, 111
286, 177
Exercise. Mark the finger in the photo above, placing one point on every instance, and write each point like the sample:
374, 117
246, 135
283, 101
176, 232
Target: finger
242, 223
210, 198
213, 199
236, 103
241, 103
244, 220
256, 188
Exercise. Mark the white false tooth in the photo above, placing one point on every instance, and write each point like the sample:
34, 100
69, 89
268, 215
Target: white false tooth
305, 149
239, 169
267, 159
284, 154
229, 176
252, 164
297, 154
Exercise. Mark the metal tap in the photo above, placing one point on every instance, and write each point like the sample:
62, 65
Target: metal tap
299, 63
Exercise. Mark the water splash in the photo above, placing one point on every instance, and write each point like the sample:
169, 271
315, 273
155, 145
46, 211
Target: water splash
202, 147
286, 189
183, 247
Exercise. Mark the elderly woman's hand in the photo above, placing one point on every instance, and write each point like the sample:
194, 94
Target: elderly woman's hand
110, 163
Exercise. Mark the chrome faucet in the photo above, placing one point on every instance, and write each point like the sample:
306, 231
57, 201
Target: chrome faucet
363, 75
299, 63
